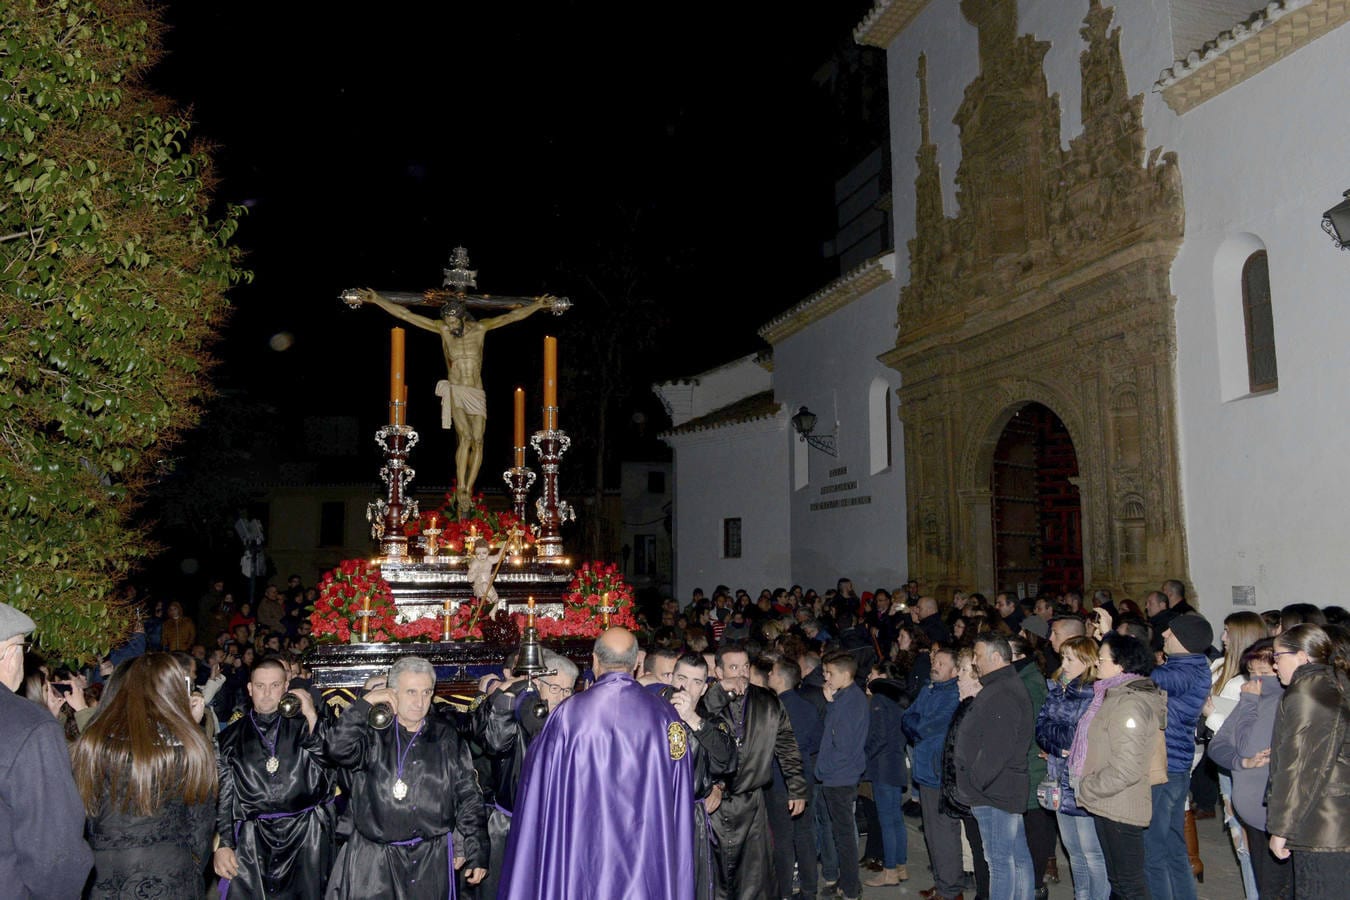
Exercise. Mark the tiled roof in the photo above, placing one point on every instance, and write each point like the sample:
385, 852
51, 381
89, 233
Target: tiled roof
747, 409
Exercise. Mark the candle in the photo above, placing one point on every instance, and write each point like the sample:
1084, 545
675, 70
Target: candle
396, 389
550, 383
365, 617
518, 440
605, 601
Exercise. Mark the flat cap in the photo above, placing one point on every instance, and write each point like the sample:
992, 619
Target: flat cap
13, 622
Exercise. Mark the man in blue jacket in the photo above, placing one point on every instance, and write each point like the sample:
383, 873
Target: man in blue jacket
925, 724
842, 761
1186, 679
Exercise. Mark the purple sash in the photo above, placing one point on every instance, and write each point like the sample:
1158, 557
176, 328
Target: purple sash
449, 856
224, 886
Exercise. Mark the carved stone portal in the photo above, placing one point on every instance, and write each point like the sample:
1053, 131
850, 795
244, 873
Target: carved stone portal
1050, 285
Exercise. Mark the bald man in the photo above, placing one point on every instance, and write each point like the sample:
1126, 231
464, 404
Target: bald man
611, 768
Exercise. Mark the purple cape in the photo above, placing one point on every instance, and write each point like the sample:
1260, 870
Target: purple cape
605, 809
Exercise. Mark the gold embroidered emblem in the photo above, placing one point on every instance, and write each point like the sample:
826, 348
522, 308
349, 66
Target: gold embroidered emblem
236, 716
477, 702
679, 745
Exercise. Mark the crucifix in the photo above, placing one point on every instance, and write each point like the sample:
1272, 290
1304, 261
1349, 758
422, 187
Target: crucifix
463, 402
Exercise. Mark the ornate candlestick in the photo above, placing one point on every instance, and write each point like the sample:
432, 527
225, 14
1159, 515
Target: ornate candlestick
519, 479
364, 614
551, 444
388, 516
431, 541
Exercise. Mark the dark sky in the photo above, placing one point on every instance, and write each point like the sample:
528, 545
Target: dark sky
367, 144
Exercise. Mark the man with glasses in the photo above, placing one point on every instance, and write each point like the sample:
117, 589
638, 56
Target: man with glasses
504, 722
42, 849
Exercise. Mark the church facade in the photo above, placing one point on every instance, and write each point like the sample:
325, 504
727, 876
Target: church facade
1117, 345
1099, 345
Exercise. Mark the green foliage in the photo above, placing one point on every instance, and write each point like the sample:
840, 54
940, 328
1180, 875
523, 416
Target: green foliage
112, 281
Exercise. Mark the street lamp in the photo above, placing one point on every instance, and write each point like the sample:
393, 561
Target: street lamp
804, 423
1336, 223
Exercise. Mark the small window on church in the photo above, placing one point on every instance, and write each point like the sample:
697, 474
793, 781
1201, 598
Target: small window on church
731, 538
1260, 322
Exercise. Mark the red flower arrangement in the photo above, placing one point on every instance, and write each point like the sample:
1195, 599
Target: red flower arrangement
343, 595
595, 586
490, 525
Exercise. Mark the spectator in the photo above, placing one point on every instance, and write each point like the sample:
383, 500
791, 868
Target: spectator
1070, 695
951, 806
147, 775
42, 852
794, 837
177, 633
1242, 745
1185, 678
925, 724
1309, 767
1039, 823
887, 772
1118, 753
990, 755
842, 761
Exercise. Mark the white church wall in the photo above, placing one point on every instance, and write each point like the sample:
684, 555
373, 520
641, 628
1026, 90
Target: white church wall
847, 519
1263, 484
732, 472
1264, 475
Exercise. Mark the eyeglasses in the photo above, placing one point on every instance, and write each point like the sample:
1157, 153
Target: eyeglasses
1278, 653
24, 647
555, 690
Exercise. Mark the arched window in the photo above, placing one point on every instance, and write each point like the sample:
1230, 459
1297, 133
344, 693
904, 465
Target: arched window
1260, 321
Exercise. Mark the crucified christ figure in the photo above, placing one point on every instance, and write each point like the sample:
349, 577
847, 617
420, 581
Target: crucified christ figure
462, 341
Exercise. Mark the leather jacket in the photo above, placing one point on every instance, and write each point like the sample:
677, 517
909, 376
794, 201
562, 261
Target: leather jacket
1309, 799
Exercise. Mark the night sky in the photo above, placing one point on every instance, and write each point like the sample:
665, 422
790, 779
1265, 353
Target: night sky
366, 145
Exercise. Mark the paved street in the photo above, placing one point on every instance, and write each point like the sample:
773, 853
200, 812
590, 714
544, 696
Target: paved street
1222, 880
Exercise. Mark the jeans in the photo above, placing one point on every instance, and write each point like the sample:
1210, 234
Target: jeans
894, 842
1005, 849
1079, 834
1167, 867
1123, 847
1240, 844
829, 859
839, 803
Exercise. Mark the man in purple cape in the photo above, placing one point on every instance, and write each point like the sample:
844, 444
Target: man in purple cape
605, 806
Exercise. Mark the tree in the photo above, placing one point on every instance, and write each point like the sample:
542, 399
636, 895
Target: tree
112, 279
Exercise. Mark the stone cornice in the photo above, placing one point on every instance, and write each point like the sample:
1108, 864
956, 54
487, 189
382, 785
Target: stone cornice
1269, 35
831, 298
886, 20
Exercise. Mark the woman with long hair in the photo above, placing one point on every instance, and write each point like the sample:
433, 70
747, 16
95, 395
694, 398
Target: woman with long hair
1242, 745
1240, 631
1309, 763
147, 775
1070, 695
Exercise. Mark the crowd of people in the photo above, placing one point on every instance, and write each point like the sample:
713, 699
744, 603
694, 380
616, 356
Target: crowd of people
744, 748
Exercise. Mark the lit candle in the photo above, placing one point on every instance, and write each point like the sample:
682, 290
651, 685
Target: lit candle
550, 383
605, 601
518, 440
365, 619
396, 389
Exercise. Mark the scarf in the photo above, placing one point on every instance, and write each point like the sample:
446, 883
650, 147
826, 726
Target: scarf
1078, 749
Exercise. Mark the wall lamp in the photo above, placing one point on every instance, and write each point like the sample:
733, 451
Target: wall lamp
804, 423
1336, 222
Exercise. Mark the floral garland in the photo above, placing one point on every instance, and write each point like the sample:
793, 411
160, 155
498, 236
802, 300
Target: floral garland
490, 525
343, 594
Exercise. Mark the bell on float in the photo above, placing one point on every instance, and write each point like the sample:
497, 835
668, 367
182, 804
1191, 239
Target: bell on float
530, 658
290, 706
380, 717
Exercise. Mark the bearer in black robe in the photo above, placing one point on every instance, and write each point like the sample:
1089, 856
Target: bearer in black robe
763, 732
275, 813
714, 752
413, 786
503, 722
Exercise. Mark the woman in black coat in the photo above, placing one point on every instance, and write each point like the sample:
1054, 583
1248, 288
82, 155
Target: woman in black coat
887, 771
